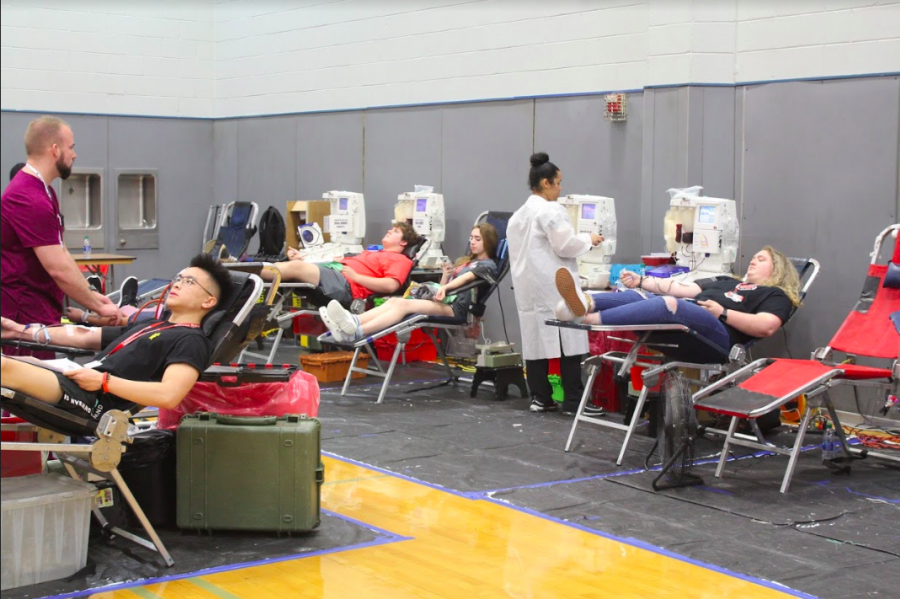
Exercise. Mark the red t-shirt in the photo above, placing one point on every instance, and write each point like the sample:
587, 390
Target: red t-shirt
378, 264
29, 218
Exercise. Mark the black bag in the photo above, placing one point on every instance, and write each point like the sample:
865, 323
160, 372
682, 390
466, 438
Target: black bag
271, 232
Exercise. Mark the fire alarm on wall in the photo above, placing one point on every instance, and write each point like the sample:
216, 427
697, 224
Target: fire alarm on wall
616, 107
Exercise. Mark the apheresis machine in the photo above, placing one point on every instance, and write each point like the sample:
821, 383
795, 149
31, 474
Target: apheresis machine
594, 214
424, 209
346, 224
701, 233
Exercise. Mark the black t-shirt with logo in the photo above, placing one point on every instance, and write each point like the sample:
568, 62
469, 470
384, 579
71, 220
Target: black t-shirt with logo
735, 295
147, 348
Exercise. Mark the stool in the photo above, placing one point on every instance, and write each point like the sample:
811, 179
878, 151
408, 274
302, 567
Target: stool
503, 377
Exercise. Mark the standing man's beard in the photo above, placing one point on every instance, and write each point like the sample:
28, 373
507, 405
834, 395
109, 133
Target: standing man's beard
63, 170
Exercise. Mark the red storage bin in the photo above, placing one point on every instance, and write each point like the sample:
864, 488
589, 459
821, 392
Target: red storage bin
308, 324
638, 383
419, 348
19, 463
605, 392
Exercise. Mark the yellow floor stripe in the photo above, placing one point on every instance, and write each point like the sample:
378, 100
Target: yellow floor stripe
462, 548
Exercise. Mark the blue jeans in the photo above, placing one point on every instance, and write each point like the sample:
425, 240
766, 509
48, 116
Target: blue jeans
631, 307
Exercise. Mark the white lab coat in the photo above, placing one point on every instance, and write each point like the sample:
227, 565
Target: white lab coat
541, 240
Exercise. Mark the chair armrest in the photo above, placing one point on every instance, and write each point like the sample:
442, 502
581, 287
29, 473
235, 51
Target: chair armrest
61, 349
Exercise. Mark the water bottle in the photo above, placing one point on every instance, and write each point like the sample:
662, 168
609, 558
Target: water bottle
829, 442
87, 245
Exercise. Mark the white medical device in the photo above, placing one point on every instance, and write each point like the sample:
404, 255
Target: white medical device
425, 212
347, 221
702, 233
594, 214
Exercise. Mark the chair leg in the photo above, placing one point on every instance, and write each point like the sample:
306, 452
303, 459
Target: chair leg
374, 358
836, 421
795, 452
635, 417
390, 372
155, 542
441, 354
726, 446
584, 397
151, 532
350, 371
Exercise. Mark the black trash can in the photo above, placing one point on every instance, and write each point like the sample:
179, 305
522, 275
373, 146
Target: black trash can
148, 467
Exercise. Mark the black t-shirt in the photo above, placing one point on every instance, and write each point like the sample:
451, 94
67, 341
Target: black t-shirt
147, 348
735, 295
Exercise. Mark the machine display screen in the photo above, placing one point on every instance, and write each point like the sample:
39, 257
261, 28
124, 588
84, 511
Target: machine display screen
422, 205
706, 215
342, 203
588, 211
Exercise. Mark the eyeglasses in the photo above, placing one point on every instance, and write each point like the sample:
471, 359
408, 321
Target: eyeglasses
188, 281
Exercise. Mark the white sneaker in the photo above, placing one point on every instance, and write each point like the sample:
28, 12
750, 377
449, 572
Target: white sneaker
575, 300
341, 318
336, 332
563, 313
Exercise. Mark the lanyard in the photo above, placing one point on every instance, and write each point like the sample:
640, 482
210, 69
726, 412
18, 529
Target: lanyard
37, 173
146, 331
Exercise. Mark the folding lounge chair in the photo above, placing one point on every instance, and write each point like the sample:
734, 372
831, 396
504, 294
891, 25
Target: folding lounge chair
236, 227
281, 313
484, 287
229, 328
680, 346
767, 384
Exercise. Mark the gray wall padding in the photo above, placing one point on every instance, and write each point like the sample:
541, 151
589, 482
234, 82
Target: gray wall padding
813, 167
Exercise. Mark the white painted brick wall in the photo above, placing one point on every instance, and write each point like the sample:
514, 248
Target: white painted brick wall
219, 58
147, 57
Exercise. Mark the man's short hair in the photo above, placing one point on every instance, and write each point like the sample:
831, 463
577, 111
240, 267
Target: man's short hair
409, 234
220, 275
41, 133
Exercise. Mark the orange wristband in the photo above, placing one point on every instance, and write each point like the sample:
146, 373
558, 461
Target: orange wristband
106, 382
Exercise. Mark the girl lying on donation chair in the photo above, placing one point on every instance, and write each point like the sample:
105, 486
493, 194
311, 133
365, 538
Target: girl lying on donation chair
725, 310
431, 299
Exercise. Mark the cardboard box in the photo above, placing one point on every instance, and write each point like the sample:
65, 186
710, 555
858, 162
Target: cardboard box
304, 212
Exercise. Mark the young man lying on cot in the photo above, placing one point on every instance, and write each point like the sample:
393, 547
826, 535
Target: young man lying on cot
150, 363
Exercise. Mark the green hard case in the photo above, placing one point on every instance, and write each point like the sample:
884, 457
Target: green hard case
249, 472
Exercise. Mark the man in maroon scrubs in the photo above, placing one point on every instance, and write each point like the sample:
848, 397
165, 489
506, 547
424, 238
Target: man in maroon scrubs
36, 269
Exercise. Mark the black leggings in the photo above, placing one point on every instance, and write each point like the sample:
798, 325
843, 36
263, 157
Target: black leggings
570, 371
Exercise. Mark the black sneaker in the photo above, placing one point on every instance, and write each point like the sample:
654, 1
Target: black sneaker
95, 283
538, 406
589, 410
128, 292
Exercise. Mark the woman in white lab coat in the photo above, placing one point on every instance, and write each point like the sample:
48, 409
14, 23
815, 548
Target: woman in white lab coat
541, 240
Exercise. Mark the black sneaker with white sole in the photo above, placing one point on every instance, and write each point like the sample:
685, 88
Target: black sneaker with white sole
96, 283
539, 406
589, 410
128, 292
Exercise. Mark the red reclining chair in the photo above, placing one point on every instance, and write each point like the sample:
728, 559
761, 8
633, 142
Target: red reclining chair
871, 330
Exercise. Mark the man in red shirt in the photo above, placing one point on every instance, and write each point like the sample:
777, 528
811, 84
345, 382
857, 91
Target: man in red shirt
36, 269
360, 276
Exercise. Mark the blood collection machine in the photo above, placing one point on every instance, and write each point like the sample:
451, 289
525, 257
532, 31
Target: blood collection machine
425, 212
594, 214
702, 234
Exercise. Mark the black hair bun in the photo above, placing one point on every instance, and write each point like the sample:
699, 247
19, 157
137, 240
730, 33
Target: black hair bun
539, 159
